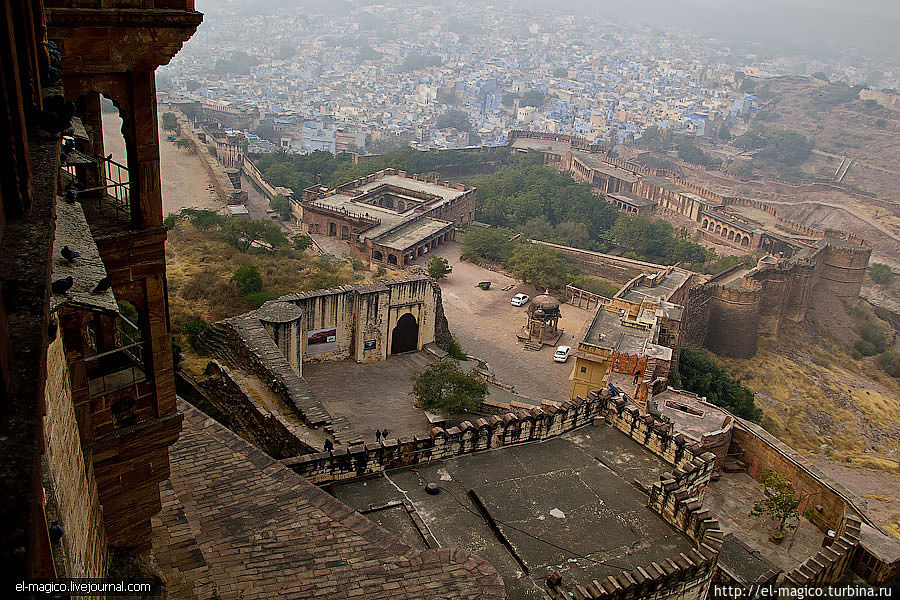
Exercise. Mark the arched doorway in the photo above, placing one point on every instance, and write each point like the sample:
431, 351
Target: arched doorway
405, 337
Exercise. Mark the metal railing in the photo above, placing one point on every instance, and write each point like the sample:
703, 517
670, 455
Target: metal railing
114, 196
119, 368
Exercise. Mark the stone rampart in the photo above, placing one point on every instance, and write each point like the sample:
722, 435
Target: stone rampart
733, 323
614, 268
225, 398
244, 342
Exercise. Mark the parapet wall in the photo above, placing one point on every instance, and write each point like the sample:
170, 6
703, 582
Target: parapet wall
831, 562
614, 268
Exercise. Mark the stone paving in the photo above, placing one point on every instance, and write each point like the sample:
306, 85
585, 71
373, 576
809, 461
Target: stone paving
372, 395
731, 498
236, 524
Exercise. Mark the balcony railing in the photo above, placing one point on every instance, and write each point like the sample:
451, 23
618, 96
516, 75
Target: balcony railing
114, 197
121, 367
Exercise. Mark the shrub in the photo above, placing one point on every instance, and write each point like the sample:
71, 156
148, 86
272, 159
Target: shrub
193, 329
890, 363
865, 348
443, 387
248, 279
301, 241
881, 273
874, 335
456, 350
438, 267
702, 374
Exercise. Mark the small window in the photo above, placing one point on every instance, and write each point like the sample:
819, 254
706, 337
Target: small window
584, 369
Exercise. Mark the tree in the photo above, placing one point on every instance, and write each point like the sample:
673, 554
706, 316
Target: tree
782, 502
301, 241
487, 244
248, 279
541, 266
444, 388
169, 121
266, 132
281, 205
243, 233
438, 267
890, 362
185, 144
702, 374
881, 273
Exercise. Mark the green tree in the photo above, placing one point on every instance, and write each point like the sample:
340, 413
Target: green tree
243, 233
541, 266
492, 245
281, 205
266, 132
192, 330
248, 279
702, 374
438, 267
782, 501
169, 121
444, 388
881, 273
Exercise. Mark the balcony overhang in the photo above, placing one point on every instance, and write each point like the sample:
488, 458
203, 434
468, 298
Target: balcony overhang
87, 270
97, 41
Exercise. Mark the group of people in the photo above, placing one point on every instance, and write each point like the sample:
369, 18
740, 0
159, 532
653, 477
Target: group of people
379, 435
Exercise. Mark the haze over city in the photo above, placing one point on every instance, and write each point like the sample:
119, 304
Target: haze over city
429, 300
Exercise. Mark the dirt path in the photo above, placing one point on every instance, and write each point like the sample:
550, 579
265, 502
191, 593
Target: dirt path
185, 182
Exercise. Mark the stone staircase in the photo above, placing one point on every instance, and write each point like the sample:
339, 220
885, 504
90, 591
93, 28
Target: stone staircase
533, 346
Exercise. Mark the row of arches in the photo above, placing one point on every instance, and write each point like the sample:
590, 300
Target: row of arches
732, 235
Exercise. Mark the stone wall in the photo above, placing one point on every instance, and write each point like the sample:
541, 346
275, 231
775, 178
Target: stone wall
733, 324
695, 321
220, 395
831, 562
245, 343
74, 487
596, 264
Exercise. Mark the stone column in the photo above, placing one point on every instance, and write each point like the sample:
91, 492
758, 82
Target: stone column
89, 108
142, 146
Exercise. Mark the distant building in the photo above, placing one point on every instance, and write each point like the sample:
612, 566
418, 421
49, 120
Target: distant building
389, 217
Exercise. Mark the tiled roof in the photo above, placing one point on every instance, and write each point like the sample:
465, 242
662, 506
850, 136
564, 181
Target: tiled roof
235, 519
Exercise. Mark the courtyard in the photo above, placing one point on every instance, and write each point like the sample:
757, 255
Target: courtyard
485, 325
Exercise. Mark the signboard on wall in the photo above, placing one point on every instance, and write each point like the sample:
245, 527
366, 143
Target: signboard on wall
321, 340
369, 344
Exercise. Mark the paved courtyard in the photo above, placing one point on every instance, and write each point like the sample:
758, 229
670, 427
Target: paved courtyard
371, 396
485, 324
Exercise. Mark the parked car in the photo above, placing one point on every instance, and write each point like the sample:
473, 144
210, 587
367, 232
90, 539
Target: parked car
562, 353
520, 299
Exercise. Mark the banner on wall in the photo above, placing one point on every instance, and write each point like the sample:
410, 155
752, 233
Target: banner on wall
321, 340
369, 344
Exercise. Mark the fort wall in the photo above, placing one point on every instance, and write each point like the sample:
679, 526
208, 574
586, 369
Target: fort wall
596, 264
74, 487
223, 397
733, 324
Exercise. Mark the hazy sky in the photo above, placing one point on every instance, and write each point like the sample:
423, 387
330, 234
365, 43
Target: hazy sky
857, 30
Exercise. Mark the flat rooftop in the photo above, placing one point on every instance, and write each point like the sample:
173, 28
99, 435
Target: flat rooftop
598, 164
608, 331
390, 219
690, 415
544, 498
409, 234
632, 199
663, 290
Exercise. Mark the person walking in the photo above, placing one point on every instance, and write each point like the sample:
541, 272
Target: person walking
377, 435
329, 446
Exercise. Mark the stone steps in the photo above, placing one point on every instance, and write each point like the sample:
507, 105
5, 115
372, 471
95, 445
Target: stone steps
533, 346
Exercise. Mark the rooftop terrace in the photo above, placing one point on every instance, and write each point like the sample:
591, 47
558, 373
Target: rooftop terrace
567, 504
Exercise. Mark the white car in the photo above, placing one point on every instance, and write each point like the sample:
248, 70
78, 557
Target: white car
520, 299
562, 354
